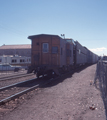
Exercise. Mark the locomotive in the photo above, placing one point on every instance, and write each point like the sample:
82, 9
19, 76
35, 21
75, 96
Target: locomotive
53, 54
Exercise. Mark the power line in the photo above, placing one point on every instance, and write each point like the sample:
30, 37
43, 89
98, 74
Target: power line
12, 30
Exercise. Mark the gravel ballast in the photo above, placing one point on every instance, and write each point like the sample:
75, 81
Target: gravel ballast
16, 80
73, 98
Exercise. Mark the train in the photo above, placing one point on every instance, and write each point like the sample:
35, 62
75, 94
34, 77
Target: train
52, 54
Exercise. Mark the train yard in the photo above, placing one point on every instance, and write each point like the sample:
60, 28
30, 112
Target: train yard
63, 72
14, 86
71, 95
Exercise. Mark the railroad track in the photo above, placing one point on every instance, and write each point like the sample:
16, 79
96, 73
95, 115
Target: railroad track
15, 76
15, 90
10, 73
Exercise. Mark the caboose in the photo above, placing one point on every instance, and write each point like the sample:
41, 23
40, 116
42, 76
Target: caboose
50, 54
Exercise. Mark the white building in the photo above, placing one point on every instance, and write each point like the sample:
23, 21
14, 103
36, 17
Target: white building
15, 60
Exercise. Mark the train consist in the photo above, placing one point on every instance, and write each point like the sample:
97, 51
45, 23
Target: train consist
53, 54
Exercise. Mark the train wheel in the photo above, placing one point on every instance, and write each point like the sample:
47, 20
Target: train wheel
37, 74
50, 74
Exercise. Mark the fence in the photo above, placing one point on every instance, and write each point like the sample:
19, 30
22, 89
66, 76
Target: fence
101, 79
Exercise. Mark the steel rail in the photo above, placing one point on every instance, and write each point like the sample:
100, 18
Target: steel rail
10, 75
16, 76
13, 74
12, 97
16, 84
3, 101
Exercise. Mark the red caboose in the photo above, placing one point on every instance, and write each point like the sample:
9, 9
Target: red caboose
50, 54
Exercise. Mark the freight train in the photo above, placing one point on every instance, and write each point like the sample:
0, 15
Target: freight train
52, 54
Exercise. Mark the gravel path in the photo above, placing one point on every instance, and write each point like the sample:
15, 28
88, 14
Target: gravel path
72, 98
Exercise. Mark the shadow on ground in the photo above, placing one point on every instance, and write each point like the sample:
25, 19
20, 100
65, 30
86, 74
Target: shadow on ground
64, 77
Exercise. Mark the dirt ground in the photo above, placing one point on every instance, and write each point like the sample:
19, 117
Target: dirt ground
71, 98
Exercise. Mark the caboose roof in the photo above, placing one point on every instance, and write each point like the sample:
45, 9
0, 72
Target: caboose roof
39, 35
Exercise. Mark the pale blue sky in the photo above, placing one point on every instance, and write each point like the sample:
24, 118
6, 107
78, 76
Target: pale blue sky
82, 20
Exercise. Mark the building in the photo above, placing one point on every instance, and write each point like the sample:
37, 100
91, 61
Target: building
21, 50
15, 60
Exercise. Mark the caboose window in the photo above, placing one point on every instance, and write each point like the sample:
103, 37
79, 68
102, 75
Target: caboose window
54, 49
45, 47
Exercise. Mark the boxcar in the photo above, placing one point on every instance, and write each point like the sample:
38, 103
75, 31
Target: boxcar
95, 58
89, 56
81, 54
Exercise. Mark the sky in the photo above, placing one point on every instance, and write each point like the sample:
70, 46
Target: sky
81, 20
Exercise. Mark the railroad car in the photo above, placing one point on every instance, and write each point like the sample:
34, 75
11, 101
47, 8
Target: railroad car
50, 53
89, 56
104, 58
53, 54
81, 54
